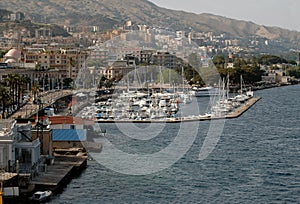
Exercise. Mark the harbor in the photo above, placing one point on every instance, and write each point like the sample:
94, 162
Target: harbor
56, 147
172, 105
148, 101
257, 157
235, 114
52, 146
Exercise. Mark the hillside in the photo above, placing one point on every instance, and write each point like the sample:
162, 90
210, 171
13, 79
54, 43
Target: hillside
109, 13
26, 25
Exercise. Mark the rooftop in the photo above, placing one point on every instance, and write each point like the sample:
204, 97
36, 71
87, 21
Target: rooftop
56, 120
69, 135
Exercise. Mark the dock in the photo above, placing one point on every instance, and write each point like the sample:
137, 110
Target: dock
235, 114
242, 109
58, 175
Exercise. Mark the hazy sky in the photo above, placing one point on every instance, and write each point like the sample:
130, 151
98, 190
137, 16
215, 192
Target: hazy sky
281, 13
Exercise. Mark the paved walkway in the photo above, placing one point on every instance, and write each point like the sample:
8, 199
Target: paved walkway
47, 99
60, 173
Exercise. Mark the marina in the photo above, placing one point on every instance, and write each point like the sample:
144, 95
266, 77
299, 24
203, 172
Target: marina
235, 114
166, 105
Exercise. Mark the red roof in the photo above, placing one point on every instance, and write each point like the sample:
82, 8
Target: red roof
55, 120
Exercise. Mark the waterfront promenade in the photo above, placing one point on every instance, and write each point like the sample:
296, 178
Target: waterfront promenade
47, 99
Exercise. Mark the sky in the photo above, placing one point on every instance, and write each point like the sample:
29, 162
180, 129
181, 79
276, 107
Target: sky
280, 13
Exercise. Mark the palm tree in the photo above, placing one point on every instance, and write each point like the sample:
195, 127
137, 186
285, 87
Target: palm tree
18, 82
4, 99
11, 83
21, 81
35, 89
15, 82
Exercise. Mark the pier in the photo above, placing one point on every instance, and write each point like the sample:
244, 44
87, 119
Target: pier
242, 109
58, 175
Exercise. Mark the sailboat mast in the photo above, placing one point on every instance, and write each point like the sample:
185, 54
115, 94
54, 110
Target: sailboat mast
241, 84
227, 90
182, 74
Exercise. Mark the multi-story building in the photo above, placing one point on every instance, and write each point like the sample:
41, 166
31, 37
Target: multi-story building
165, 59
118, 69
18, 16
14, 64
68, 61
146, 56
98, 53
43, 33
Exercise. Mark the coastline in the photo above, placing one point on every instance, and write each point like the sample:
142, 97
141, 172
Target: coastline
267, 86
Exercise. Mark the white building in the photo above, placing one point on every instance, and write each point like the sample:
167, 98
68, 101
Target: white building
18, 152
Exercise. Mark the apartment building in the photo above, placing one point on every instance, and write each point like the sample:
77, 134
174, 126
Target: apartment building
68, 61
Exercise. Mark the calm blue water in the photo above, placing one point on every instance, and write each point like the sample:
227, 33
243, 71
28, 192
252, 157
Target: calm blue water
257, 160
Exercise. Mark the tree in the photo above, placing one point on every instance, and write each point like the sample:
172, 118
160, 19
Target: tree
294, 72
219, 60
170, 76
67, 82
35, 90
194, 61
109, 83
271, 59
2, 53
4, 99
38, 67
11, 82
16, 83
101, 82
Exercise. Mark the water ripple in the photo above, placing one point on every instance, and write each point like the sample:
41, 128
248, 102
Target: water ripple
257, 160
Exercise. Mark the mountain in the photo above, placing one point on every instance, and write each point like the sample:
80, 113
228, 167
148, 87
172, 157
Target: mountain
109, 13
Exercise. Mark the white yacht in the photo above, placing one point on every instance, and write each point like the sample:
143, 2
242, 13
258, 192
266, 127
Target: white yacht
205, 91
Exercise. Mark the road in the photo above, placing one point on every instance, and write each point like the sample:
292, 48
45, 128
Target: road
47, 98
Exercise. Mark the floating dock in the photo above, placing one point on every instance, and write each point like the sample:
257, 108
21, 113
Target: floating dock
58, 175
235, 114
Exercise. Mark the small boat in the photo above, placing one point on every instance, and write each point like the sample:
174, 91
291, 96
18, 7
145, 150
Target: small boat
205, 91
41, 196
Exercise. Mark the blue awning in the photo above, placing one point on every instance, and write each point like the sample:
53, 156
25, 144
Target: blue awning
68, 135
